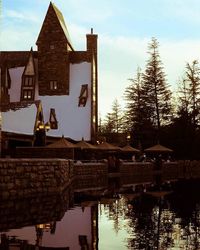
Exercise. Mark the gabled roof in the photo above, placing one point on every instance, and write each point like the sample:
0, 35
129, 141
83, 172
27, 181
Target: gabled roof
11, 59
30, 66
61, 22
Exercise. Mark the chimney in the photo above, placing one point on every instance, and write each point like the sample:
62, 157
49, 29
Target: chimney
92, 42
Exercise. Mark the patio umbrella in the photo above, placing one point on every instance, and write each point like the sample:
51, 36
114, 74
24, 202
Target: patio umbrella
130, 149
62, 143
107, 146
85, 145
158, 148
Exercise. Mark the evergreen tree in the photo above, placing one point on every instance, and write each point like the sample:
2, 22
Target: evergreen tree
193, 79
187, 121
189, 95
183, 95
112, 127
107, 126
155, 91
135, 114
114, 119
117, 116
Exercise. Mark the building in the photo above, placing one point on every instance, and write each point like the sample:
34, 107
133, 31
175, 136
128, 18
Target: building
51, 92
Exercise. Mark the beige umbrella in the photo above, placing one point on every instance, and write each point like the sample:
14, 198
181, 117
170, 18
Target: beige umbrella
107, 146
85, 145
158, 148
62, 143
130, 149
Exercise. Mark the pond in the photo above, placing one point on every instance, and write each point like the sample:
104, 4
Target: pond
106, 219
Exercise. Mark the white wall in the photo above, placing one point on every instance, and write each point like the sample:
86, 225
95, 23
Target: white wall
73, 121
16, 79
21, 121
74, 223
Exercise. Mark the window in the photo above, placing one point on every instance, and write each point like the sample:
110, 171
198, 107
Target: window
52, 46
52, 119
83, 242
53, 85
28, 81
83, 95
27, 94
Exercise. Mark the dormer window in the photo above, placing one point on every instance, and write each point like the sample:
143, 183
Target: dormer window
52, 119
83, 95
53, 85
28, 80
27, 95
28, 90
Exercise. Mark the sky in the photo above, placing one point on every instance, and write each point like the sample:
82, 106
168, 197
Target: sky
124, 30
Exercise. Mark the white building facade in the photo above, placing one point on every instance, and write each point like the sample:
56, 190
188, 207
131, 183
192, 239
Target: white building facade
54, 86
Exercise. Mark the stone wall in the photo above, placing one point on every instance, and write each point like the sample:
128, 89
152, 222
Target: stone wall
90, 175
21, 178
90, 169
136, 172
147, 171
33, 177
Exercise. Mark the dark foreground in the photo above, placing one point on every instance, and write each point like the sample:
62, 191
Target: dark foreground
144, 216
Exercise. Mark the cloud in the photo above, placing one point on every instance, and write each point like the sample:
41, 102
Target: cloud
21, 16
11, 38
119, 58
89, 11
175, 55
183, 10
118, 55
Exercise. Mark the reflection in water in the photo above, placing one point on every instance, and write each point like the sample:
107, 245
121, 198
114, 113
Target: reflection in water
156, 220
115, 218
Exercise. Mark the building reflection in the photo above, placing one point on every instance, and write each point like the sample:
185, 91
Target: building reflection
156, 219
76, 229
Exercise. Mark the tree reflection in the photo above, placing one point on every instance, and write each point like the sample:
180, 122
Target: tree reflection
185, 202
159, 220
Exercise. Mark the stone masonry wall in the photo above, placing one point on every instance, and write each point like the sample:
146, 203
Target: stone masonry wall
90, 175
33, 177
147, 172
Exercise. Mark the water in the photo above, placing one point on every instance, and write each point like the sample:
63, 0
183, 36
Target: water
105, 219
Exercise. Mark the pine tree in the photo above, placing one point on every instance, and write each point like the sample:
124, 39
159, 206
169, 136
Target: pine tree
117, 116
183, 97
155, 91
187, 121
107, 126
193, 79
113, 122
135, 114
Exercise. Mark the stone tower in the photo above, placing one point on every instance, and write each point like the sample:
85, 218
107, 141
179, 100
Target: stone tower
53, 58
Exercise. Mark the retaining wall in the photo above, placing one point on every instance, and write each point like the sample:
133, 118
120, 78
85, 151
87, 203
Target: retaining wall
33, 177
90, 175
146, 171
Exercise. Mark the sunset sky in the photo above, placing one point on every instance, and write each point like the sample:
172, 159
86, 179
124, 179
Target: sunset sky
124, 30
